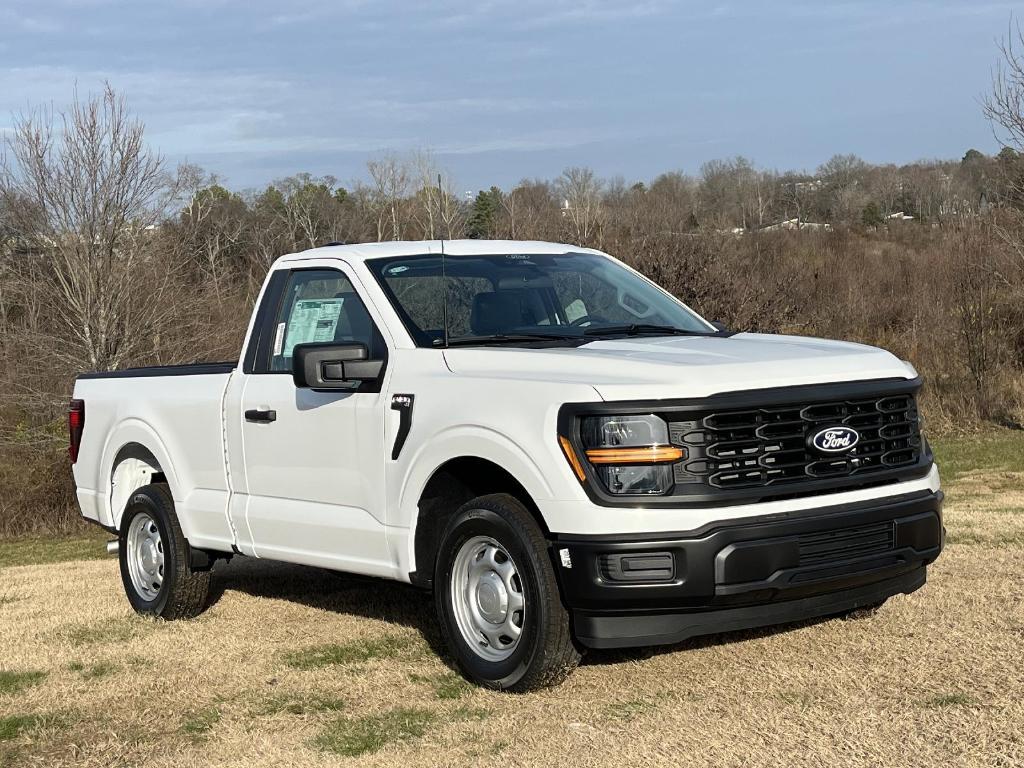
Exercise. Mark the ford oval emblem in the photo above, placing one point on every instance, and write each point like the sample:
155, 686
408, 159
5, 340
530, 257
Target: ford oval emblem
835, 439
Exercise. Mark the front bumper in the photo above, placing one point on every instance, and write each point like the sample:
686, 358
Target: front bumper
751, 572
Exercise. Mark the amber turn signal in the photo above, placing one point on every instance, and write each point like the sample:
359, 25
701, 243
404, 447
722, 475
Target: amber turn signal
573, 460
652, 454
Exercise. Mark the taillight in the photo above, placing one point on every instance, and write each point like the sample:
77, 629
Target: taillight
76, 423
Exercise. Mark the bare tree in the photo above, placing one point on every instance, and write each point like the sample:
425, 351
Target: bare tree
1004, 106
668, 207
212, 225
429, 194
511, 205
308, 208
451, 211
85, 194
886, 188
390, 187
797, 192
581, 202
975, 287
843, 177
733, 193
439, 211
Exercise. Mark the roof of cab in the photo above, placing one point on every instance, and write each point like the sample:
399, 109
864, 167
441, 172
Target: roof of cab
392, 248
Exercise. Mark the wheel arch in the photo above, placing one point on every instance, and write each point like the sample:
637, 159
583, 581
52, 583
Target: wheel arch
135, 457
133, 467
451, 484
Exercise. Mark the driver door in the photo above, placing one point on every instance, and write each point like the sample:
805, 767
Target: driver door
314, 461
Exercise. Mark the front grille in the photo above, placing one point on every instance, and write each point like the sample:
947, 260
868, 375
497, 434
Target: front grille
750, 448
846, 543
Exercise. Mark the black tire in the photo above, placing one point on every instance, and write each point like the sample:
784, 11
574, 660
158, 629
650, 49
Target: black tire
182, 592
546, 652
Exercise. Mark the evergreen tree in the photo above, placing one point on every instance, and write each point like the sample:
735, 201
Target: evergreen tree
483, 213
871, 216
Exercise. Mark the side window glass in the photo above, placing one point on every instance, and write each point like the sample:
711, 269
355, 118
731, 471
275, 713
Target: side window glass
320, 306
422, 297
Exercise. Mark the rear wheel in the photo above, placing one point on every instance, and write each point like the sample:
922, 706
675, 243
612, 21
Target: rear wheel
497, 598
154, 558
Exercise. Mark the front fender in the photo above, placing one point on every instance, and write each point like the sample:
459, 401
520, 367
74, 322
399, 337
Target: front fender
460, 442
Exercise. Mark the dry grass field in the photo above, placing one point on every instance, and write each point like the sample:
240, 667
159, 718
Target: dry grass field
294, 666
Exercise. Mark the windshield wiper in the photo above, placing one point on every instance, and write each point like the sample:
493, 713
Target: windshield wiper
507, 338
635, 329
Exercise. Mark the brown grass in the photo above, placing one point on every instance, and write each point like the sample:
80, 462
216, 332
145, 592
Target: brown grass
294, 666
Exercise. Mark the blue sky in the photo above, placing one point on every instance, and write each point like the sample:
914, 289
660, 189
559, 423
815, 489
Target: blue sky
500, 91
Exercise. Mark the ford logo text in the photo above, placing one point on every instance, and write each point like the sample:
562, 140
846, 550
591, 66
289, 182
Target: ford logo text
835, 439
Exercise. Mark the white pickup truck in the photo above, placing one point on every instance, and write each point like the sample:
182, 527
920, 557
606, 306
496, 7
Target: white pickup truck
563, 452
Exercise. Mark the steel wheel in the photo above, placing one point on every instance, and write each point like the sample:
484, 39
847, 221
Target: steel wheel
487, 598
145, 556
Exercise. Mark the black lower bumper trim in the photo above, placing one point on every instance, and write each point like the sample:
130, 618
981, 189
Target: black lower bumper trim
746, 572
602, 631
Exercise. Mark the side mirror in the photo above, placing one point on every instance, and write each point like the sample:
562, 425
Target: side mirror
333, 366
719, 326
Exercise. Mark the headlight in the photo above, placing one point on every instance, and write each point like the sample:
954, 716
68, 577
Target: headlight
631, 455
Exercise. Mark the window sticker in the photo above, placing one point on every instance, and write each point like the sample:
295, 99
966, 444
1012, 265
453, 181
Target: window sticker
312, 320
575, 310
279, 339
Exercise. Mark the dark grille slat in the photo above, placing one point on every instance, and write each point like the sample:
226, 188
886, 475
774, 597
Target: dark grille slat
818, 542
852, 539
845, 544
779, 429
760, 447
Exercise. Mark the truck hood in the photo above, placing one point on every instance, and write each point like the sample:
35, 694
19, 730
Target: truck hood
639, 368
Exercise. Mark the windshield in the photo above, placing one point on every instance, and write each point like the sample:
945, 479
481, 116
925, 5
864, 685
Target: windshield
520, 298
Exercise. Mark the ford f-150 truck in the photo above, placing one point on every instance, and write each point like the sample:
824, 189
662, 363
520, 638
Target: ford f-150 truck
563, 452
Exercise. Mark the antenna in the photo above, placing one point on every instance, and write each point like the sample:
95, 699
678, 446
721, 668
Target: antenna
444, 276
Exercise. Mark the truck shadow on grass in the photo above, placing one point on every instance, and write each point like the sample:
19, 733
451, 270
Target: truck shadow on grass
342, 593
410, 607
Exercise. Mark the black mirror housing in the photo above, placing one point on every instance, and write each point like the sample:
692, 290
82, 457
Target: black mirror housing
719, 326
327, 367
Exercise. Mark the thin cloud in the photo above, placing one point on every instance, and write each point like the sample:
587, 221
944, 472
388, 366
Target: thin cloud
599, 82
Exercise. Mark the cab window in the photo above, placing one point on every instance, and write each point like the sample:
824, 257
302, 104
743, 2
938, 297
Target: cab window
320, 306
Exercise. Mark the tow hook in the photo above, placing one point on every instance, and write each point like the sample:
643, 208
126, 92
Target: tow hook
112, 547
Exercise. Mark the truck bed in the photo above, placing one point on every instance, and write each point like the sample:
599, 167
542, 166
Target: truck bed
175, 413
188, 369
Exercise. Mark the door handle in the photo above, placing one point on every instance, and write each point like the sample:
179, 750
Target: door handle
260, 415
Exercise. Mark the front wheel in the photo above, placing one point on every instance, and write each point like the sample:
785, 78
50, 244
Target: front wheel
154, 558
497, 598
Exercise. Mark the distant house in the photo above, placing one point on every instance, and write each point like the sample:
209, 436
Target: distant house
808, 186
796, 224
788, 224
899, 216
